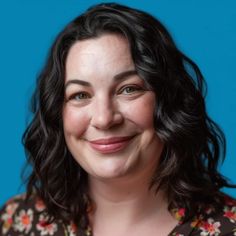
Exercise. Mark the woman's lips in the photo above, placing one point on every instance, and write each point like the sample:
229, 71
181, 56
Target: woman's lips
110, 145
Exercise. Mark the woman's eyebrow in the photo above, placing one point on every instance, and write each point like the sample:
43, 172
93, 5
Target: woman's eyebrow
117, 77
77, 81
125, 74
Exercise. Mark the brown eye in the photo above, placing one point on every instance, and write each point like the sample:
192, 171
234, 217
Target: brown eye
81, 96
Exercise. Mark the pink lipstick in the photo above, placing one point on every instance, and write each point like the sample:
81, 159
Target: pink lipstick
110, 145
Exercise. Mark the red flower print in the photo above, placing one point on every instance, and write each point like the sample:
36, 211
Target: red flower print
210, 227
39, 205
23, 221
7, 216
44, 227
179, 214
72, 228
230, 213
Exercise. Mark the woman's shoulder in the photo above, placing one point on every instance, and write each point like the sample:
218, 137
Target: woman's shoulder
21, 216
211, 221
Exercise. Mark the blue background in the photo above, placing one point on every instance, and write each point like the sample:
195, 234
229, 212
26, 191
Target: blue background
204, 30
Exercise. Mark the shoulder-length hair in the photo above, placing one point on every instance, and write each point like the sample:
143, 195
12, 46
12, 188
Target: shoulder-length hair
194, 144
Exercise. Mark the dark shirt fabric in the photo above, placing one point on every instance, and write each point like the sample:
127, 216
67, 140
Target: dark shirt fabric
18, 218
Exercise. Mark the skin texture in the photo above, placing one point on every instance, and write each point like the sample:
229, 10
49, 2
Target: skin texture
108, 108
108, 127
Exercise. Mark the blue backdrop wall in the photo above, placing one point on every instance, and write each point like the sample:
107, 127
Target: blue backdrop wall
204, 30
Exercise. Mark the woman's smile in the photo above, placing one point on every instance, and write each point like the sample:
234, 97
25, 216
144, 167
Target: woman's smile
110, 145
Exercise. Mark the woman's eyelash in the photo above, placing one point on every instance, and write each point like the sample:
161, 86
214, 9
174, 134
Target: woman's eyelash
130, 89
79, 96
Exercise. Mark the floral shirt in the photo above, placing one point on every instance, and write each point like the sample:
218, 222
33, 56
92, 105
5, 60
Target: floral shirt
18, 218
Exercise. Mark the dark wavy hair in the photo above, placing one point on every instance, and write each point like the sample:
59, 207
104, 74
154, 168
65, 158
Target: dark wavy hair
194, 144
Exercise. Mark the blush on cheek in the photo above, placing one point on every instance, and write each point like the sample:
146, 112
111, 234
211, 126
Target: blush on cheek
74, 122
141, 111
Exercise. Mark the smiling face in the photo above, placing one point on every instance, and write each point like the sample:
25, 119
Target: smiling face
108, 112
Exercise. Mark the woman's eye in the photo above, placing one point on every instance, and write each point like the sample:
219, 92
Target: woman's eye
130, 89
79, 96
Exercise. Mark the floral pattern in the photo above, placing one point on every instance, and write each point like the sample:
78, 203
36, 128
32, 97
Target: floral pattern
71, 229
179, 214
7, 216
18, 218
230, 213
210, 227
39, 205
44, 227
23, 221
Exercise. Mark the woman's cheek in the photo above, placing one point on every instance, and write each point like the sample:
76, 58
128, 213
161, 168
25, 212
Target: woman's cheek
140, 111
75, 121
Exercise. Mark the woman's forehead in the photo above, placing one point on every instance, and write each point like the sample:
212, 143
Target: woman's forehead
105, 55
107, 45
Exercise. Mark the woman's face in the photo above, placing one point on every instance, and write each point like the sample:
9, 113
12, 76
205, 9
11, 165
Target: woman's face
108, 112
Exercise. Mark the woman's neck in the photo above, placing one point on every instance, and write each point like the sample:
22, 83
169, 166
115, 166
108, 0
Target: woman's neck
125, 203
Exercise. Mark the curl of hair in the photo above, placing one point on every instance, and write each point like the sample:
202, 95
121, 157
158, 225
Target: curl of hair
194, 144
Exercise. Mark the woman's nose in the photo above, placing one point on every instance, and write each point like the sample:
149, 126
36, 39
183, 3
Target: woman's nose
105, 114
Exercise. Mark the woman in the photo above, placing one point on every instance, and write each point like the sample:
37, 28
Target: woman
121, 143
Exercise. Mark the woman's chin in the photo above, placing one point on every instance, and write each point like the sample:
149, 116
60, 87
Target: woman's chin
110, 171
